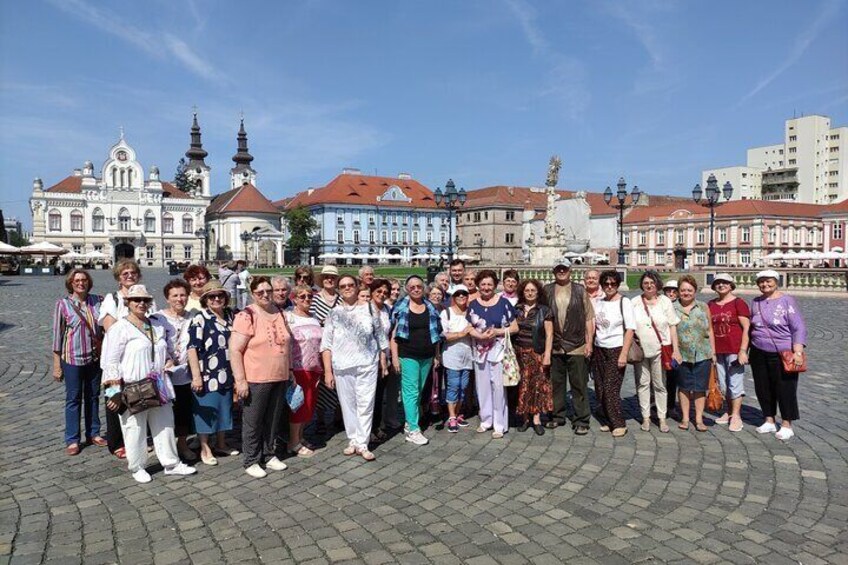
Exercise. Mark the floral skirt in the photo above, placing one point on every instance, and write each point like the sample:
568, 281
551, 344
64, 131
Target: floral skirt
535, 393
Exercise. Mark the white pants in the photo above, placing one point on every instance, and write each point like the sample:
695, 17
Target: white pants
356, 387
650, 373
161, 422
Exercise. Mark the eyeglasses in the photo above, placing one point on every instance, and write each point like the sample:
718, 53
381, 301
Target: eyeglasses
415, 287
145, 301
129, 275
262, 292
344, 286
382, 291
303, 277
217, 297
304, 296
610, 283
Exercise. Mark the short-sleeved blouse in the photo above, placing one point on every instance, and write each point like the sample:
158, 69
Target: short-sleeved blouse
499, 315
306, 345
664, 316
266, 358
211, 339
693, 332
726, 326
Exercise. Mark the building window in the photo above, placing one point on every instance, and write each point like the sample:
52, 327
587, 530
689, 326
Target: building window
486, 215
76, 220
372, 237
659, 258
837, 230
356, 237
643, 237
510, 216
405, 219
188, 224
371, 218
167, 223
394, 218
721, 258
700, 258
796, 236
793, 138
660, 234
772, 235
476, 217
429, 237
745, 258
149, 222
149, 251
678, 237
98, 248
340, 236
793, 150
700, 235
169, 252
384, 237
77, 248
444, 238
404, 237
786, 235
792, 161
722, 235
627, 238
415, 238
340, 219
643, 257
811, 236
746, 235
124, 220
187, 251
429, 219
97, 220
509, 238
394, 237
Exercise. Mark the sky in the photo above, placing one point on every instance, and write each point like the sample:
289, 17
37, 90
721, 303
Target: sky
481, 91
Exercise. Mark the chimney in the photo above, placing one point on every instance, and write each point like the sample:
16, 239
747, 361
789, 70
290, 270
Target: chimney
404, 176
77, 172
351, 171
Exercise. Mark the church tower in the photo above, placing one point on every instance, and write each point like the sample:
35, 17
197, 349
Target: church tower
197, 169
242, 173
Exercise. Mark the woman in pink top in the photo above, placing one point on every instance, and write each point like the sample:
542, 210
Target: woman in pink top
260, 350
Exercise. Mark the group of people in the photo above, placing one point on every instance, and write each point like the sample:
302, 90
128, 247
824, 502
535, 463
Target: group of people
366, 347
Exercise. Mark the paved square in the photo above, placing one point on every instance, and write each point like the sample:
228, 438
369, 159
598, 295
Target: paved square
465, 498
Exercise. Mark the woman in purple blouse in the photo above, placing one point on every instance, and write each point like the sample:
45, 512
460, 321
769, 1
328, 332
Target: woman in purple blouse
776, 325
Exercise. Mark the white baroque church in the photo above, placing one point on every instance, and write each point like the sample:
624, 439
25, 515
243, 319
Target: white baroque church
118, 212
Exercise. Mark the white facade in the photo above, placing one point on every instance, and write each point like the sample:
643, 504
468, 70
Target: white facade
119, 213
807, 167
746, 181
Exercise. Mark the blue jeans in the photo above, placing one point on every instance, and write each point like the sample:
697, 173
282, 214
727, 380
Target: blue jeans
82, 391
457, 382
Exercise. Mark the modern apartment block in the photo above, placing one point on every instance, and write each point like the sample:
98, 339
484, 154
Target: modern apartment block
808, 167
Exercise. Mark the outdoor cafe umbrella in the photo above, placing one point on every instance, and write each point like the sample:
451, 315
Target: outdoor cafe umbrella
43, 248
6, 249
97, 255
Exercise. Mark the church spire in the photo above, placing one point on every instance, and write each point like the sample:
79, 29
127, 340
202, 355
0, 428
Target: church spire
242, 158
196, 154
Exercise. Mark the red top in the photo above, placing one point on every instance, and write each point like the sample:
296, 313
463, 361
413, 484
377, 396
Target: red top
726, 327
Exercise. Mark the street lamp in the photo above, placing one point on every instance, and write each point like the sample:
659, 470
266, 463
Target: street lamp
245, 237
202, 235
712, 201
480, 242
621, 197
451, 200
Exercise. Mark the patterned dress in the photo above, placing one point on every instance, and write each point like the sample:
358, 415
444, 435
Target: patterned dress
535, 393
211, 339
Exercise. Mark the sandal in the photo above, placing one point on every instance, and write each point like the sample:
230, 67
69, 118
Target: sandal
72, 449
701, 427
98, 441
367, 455
684, 425
349, 450
120, 453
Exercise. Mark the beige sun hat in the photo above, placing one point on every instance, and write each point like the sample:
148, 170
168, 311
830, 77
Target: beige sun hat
138, 291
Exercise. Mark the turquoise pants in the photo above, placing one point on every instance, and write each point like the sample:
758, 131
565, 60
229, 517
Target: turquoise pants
413, 373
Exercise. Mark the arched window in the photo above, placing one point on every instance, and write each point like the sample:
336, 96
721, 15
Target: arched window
76, 220
123, 177
188, 223
149, 222
114, 176
97, 222
167, 223
129, 176
54, 220
124, 220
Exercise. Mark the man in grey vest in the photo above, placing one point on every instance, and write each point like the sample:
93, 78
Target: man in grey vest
574, 329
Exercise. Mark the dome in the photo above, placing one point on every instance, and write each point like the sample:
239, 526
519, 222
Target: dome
154, 170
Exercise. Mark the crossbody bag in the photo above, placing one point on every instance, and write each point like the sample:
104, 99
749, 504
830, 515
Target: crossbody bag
666, 351
787, 357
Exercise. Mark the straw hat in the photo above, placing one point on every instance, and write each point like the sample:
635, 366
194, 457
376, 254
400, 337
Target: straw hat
213, 286
138, 291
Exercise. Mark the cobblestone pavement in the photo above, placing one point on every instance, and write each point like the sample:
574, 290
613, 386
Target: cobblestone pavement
465, 498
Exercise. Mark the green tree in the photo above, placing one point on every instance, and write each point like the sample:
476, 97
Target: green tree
300, 225
181, 178
16, 239
4, 237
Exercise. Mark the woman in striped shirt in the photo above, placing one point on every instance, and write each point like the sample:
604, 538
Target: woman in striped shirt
76, 359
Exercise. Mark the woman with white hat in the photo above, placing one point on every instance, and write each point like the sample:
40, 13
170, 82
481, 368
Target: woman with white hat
133, 351
731, 318
776, 327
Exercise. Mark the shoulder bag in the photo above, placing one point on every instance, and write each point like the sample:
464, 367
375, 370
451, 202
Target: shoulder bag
665, 350
715, 399
635, 353
787, 356
511, 371
143, 394
294, 392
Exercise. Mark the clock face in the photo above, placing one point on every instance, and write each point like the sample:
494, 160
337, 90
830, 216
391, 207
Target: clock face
122, 155
245, 174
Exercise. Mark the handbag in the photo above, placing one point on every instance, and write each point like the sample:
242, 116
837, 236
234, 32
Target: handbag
666, 351
146, 393
635, 353
787, 356
715, 399
511, 371
294, 395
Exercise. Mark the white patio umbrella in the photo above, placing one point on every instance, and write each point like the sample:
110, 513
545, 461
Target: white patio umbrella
6, 249
463, 256
421, 256
43, 248
804, 255
72, 255
96, 255
774, 255
328, 256
833, 255
570, 255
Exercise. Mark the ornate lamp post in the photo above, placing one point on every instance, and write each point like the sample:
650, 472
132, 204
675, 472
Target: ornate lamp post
621, 197
245, 237
480, 242
712, 201
451, 200
202, 235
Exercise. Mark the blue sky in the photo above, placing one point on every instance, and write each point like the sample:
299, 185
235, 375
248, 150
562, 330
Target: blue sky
483, 91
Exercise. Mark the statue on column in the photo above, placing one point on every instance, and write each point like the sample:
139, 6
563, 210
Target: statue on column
550, 210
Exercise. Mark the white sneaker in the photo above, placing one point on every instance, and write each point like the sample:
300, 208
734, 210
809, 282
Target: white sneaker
767, 428
417, 438
276, 465
142, 476
181, 469
784, 434
256, 471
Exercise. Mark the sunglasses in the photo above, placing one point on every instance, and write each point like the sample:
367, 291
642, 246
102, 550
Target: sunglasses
382, 291
610, 283
460, 294
303, 277
344, 286
145, 301
217, 297
305, 296
262, 292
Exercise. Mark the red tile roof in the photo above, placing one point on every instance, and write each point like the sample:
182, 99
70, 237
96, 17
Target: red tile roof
727, 210
72, 183
244, 199
364, 189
